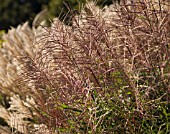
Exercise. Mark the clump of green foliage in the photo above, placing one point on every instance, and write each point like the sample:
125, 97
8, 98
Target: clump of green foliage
107, 72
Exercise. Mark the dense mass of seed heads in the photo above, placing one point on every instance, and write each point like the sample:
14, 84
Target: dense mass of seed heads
127, 42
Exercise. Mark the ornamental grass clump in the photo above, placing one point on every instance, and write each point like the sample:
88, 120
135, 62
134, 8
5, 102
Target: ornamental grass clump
14, 109
107, 72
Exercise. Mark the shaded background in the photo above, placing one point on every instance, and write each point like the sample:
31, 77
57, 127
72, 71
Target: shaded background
14, 12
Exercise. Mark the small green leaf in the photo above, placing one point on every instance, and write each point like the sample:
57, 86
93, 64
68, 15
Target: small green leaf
64, 106
129, 92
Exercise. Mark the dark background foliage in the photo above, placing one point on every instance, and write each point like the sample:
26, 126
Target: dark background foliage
14, 12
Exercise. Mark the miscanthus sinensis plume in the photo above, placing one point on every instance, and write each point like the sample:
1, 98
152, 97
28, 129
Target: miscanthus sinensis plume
106, 70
